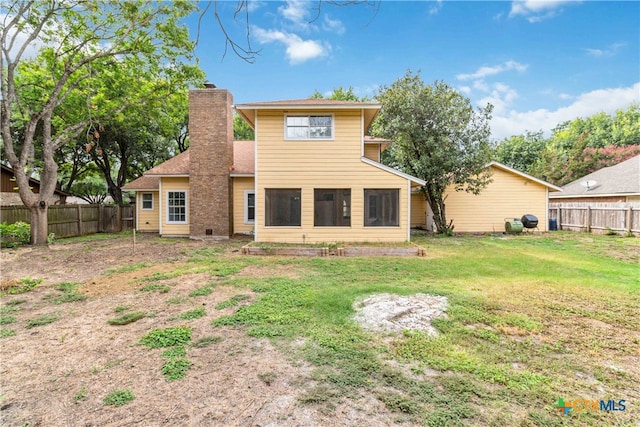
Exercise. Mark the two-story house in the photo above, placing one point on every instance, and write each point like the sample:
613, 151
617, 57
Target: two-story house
310, 175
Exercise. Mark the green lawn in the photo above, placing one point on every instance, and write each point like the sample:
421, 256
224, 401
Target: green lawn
531, 319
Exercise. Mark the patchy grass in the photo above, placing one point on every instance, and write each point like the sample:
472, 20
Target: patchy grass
41, 321
176, 368
69, 293
168, 337
528, 317
206, 341
232, 302
119, 397
196, 313
127, 318
21, 286
6, 333
163, 289
126, 269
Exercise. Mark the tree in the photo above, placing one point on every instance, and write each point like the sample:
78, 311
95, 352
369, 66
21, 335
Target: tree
437, 137
78, 41
581, 146
241, 130
339, 94
521, 151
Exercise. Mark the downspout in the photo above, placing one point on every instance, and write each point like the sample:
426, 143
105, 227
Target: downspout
255, 179
160, 207
408, 210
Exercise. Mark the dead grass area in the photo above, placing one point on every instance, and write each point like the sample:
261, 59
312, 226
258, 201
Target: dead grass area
59, 373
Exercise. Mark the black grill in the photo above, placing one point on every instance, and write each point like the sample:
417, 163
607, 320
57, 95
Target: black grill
529, 221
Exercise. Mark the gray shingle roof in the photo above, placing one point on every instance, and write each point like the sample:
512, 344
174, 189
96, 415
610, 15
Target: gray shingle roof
620, 179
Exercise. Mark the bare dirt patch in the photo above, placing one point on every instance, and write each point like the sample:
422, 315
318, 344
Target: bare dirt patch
59, 373
395, 313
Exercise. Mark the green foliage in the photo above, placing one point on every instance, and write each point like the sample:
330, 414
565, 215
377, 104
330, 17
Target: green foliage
201, 291
127, 318
207, 341
437, 137
167, 337
5, 320
241, 129
119, 397
163, 289
41, 321
193, 314
6, 333
11, 235
177, 351
70, 293
176, 368
339, 94
23, 286
232, 302
81, 394
521, 151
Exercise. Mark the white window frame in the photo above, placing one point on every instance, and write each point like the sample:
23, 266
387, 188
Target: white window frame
246, 207
186, 207
142, 201
308, 137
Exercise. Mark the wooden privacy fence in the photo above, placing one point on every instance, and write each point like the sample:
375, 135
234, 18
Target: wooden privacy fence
77, 220
596, 217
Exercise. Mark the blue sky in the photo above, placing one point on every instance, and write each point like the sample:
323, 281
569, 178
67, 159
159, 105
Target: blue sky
538, 62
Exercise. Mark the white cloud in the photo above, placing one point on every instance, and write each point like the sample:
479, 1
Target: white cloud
435, 7
333, 25
538, 10
483, 72
611, 50
297, 49
609, 101
500, 96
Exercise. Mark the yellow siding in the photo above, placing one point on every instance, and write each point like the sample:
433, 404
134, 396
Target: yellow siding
240, 185
173, 184
148, 220
418, 211
508, 196
372, 151
332, 164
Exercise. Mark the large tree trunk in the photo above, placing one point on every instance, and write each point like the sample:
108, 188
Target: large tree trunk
39, 223
436, 201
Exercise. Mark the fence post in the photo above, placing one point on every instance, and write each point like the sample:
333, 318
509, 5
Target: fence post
588, 225
118, 218
559, 216
80, 228
629, 219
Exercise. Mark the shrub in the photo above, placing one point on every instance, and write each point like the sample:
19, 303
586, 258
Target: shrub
18, 233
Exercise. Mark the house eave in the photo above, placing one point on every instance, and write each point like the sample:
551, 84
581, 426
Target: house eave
393, 171
572, 196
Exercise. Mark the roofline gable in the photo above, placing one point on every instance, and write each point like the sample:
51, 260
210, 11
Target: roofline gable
392, 171
523, 175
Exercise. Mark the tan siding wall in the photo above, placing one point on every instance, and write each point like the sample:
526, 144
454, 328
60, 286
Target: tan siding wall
372, 151
148, 220
240, 185
321, 164
508, 196
418, 211
174, 184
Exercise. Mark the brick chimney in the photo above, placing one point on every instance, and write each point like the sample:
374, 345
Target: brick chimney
210, 161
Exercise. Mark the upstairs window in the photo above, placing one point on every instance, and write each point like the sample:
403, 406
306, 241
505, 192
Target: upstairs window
309, 127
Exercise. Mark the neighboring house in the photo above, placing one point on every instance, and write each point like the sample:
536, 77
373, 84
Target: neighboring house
614, 184
311, 175
9, 189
